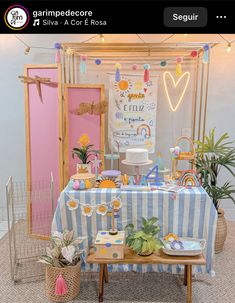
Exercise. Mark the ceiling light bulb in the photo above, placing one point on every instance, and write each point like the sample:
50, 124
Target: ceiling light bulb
102, 37
229, 47
27, 50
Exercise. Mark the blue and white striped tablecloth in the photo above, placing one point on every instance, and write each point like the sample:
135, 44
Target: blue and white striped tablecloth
190, 214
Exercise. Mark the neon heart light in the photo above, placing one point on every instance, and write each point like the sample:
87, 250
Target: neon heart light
175, 83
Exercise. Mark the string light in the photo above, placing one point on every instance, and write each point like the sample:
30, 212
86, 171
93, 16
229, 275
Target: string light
229, 47
27, 50
102, 37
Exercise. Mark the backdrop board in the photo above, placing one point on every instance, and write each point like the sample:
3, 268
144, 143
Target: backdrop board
88, 122
43, 141
132, 112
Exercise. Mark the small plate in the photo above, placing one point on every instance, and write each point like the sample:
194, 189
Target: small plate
192, 247
137, 164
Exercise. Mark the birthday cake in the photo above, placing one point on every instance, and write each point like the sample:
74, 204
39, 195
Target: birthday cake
137, 155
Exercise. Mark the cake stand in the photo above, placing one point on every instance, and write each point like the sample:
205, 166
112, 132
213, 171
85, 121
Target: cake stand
137, 168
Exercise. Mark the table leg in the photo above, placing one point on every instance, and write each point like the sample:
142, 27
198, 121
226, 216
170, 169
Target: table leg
101, 283
185, 274
189, 283
106, 275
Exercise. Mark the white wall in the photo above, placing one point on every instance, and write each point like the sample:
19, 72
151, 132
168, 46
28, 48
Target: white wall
221, 103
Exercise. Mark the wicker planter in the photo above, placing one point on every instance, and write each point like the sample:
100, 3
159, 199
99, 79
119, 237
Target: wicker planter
71, 275
221, 231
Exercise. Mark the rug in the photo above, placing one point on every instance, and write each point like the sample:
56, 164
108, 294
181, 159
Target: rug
134, 287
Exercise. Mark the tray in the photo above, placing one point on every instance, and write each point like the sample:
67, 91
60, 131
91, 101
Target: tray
192, 247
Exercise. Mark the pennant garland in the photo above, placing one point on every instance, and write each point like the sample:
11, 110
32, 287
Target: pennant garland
98, 61
101, 209
178, 70
87, 210
83, 61
206, 53
146, 72
57, 46
118, 66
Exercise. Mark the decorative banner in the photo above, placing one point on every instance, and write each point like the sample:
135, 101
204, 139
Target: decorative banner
132, 112
101, 209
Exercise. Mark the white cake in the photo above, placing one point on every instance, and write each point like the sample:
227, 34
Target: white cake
137, 155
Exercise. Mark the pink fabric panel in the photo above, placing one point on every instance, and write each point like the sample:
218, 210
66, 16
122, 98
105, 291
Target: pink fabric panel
44, 141
78, 125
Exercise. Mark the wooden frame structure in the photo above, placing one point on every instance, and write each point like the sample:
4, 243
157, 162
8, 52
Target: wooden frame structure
65, 119
68, 76
27, 134
148, 53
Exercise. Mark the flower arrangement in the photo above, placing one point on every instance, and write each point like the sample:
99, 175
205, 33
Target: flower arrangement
84, 149
144, 242
64, 250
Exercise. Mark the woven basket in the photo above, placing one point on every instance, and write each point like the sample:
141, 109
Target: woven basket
184, 155
71, 275
221, 232
84, 177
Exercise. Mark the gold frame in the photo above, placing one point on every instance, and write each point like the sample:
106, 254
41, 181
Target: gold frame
27, 135
66, 137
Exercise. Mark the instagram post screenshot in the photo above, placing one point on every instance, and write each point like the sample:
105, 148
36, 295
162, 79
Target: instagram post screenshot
117, 159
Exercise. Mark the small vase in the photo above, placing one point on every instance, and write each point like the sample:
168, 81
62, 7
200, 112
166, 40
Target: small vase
221, 232
83, 168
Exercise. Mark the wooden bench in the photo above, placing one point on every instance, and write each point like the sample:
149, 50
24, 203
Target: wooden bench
157, 258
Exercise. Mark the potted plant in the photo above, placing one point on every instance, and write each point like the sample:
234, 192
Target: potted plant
212, 158
83, 152
144, 242
63, 266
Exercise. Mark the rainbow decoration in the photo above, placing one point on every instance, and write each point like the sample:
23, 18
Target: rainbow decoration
145, 128
189, 179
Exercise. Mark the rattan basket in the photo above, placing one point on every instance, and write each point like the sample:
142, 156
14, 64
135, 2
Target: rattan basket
183, 156
71, 275
221, 232
84, 177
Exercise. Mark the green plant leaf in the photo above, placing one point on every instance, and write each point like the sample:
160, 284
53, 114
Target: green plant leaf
144, 221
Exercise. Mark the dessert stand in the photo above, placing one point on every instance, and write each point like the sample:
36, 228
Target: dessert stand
137, 168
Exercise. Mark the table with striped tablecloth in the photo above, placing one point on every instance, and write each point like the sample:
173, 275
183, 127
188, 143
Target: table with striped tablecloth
189, 213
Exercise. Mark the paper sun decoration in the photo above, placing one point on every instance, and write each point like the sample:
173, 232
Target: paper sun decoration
107, 182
